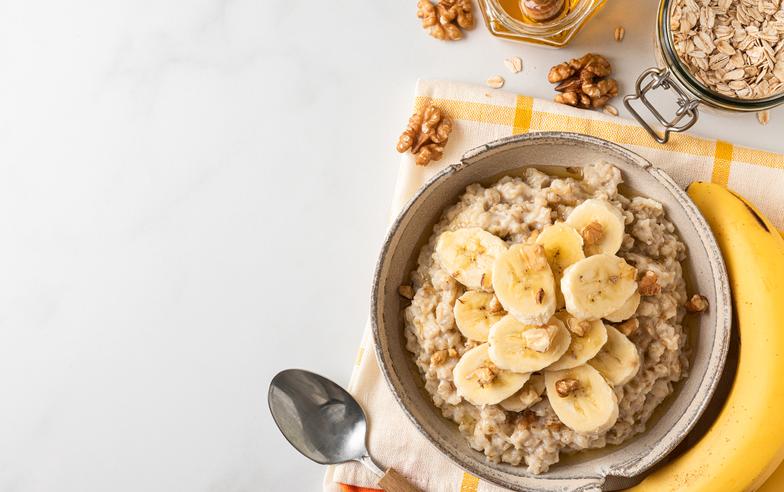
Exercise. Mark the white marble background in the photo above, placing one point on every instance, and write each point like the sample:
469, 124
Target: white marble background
192, 194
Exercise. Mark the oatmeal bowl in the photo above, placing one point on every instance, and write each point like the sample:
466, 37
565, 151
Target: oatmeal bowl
551, 313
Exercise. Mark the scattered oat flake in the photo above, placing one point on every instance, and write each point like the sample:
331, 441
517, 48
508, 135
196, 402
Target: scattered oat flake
763, 117
619, 33
514, 64
610, 109
496, 82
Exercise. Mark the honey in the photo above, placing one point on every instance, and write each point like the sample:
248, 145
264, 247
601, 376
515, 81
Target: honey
518, 19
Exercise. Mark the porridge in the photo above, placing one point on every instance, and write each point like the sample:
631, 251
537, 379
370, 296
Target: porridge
546, 312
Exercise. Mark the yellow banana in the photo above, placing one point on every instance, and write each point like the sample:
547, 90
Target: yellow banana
746, 442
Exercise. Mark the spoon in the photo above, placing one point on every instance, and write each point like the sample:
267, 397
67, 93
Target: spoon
325, 423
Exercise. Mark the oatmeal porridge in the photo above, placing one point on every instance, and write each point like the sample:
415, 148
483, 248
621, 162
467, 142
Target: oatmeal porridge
546, 312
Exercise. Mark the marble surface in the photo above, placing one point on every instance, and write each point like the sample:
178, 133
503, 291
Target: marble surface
192, 195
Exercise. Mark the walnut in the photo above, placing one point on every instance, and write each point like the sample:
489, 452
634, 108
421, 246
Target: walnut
438, 358
406, 291
567, 386
539, 339
494, 306
649, 285
697, 304
584, 82
486, 374
445, 19
560, 72
592, 233
629, 326
426, 135
578, 327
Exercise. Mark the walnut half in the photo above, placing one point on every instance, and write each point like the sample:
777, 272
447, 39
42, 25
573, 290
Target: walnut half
444, 19
426, 135
567, 386
584, 82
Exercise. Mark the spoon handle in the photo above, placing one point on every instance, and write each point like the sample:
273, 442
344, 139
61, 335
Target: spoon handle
393, 481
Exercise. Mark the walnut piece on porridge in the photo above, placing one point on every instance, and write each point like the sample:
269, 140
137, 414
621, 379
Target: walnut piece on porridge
406, 291
629, 326
539, 339
592, 233
697, 304
649, 284
567, 386
426, 135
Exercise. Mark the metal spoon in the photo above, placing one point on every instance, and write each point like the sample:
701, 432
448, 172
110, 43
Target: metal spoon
325, 423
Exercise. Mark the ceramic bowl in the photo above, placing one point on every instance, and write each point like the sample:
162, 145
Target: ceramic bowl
704, 270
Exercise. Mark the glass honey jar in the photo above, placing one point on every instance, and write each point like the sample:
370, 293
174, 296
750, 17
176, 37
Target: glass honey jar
518, 20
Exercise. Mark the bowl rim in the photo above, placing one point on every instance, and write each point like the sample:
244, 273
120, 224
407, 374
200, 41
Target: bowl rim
717, 356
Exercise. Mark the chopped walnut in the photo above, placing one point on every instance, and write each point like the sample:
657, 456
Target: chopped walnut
592, 233
445, 19
438, 358
649, 285
697, 304
584, 82
539, 339
406, 291
494, 306
426, 135
578, 327
629, 326
441, 356
567, 386
486, 374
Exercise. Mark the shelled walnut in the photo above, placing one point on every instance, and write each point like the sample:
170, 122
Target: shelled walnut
445, 19
426, 135
584, 82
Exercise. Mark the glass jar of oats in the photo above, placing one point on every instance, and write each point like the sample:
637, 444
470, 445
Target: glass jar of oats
548, 22
724, 54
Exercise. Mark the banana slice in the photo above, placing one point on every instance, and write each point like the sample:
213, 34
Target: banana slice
588, 338
600, 224
618, 360
475, 312
597, 286
530, 393
582, 399
481, 382
519, 347
563, 246
626, 311
468, 255
524, 283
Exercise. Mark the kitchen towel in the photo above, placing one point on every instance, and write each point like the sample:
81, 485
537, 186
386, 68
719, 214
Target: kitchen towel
481, 115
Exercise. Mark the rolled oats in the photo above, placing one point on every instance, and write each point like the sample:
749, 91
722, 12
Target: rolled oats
733, 47
514, 64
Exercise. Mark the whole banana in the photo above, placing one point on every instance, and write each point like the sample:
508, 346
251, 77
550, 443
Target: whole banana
746, 442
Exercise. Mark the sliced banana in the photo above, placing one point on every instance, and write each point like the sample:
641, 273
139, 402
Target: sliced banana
519, 347
582, 399
588, 338
600, 224
618, 360
598, 286
481, 382
475, 312
524, 283
563, 246
469, 255
626, 311
530, 393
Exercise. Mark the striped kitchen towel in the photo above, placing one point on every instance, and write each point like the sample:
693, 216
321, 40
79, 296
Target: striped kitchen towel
481, 115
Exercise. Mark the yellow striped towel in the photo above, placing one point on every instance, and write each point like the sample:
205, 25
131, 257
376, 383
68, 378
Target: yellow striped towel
482, 115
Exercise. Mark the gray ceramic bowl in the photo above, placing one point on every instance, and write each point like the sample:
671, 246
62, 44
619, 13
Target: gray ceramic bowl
705, 272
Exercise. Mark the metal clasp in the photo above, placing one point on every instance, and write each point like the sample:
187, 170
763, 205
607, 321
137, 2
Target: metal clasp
653, 78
